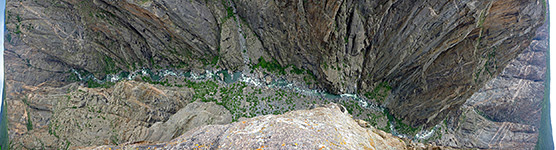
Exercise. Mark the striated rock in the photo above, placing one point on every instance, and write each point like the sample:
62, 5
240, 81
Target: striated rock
421, 60
327, 127
471, 130
438, 51
506, 112
102, 37
516, 94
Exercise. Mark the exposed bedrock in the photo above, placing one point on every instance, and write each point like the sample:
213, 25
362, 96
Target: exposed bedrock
430, 55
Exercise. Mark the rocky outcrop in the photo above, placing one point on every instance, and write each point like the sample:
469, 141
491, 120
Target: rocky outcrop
70, 116
327, 127
74, 116
192, 116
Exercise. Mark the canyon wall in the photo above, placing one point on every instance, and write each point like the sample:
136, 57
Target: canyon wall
420, 60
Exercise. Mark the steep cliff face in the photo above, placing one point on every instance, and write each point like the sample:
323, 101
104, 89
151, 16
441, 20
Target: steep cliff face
433, 55
506, 112
104, 37
420, 60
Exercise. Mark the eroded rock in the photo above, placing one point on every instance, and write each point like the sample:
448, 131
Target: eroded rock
128, 112
326, 127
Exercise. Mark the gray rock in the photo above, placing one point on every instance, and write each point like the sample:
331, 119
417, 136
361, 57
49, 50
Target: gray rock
127, 112
423, 50
506, 112
230, 49
328, 127
471, 130
427, 57
191, 116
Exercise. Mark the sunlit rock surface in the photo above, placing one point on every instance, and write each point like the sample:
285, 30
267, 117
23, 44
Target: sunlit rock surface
325, 127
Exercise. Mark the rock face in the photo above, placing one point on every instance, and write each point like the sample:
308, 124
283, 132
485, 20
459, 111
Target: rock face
192, 116
328, 127
516, 94
128, 112
420, 60
471, 130
433, 54
506, 112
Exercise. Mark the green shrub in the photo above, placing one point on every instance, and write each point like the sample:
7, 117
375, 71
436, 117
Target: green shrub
29, 122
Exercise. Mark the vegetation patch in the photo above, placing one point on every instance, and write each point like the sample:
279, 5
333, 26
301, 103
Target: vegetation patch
142, 2
123, 74
373, 119
202, 90
229, 11
352, 107
211, 61
242, 100
401, 127
52, 128
296, 70
309, 78
275, 67
489, 66
379, 93
110, 65
214, 60
94, 84
271, 66
325, 65
149, 80
29, 121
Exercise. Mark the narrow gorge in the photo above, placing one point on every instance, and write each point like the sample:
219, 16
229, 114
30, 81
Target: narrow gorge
275, 74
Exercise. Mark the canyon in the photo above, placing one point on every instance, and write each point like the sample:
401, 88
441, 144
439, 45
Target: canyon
133, 73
